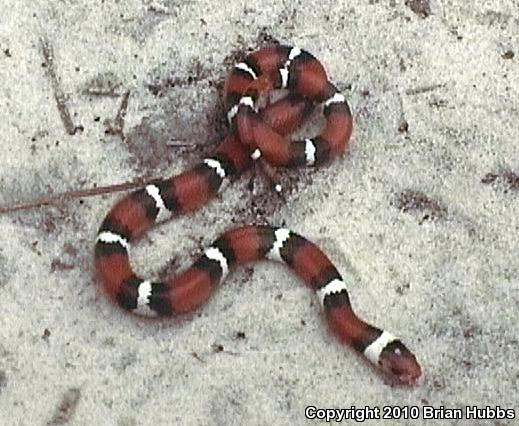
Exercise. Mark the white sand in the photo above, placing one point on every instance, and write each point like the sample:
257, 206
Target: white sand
449, 287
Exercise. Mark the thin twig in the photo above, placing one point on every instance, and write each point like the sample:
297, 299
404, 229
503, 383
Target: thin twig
59, 96
81, 193
116, 126
182, 143
424, 89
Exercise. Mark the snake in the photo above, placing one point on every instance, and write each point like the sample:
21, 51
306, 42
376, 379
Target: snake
258, 129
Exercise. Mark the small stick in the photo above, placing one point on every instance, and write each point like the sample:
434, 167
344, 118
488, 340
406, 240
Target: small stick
423, 89
116, 126
182, 143
92, 192
59, 96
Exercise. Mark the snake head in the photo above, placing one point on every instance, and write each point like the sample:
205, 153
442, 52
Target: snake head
400, 364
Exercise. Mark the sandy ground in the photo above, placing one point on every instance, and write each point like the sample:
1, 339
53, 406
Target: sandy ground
422, 215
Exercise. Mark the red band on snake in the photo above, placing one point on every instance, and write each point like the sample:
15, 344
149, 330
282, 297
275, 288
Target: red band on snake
254, 132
